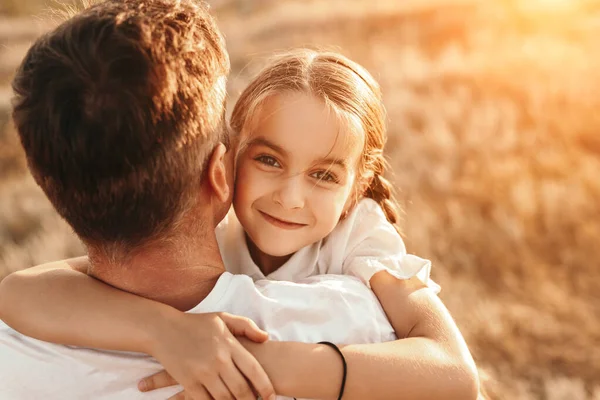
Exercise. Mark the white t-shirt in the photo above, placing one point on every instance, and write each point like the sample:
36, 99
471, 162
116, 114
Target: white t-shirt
332, 308
361, 245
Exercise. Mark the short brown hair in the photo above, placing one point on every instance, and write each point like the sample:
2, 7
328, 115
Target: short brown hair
117, 110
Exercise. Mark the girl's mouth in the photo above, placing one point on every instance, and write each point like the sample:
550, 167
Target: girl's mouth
279, 223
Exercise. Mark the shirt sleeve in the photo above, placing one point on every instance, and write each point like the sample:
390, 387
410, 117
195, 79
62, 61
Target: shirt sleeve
374, 245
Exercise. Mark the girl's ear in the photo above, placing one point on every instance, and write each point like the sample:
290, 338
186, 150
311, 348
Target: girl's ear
217, 173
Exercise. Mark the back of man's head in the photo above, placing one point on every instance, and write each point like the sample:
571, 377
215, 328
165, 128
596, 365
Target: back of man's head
118, 109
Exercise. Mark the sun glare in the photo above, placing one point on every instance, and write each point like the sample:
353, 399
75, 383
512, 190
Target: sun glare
556, 3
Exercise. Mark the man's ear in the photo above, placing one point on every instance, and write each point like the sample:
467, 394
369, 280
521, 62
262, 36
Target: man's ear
217, 173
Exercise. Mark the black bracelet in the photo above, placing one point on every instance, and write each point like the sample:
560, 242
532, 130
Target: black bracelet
337, 349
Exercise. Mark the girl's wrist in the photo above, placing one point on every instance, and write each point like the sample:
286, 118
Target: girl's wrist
156, 326
272, 357
290, 365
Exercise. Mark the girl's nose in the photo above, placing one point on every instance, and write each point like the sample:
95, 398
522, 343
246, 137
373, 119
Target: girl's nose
290, 194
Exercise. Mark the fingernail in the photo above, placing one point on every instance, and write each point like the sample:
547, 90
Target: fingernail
142, 386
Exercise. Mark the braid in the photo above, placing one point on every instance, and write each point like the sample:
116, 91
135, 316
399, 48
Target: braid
382, 191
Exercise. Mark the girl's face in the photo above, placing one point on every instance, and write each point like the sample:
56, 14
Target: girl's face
295, 174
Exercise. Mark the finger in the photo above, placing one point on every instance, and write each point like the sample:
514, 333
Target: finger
241, 326
236, 383
218, 390
253, 371
157, 381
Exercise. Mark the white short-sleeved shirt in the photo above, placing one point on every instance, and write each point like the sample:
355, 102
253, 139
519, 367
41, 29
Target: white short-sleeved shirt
332, 308
361, 245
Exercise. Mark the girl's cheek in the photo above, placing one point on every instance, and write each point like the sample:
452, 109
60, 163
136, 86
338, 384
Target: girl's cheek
330, 200
252, 182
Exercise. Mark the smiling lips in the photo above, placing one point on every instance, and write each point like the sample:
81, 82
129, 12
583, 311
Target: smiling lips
281, 223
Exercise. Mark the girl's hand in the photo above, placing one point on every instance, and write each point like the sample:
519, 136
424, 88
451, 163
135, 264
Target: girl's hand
201, 353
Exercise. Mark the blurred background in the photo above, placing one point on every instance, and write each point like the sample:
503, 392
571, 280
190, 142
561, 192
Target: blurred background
495, 150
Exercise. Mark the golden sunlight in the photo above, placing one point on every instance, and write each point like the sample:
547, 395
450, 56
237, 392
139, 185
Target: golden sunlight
562, 4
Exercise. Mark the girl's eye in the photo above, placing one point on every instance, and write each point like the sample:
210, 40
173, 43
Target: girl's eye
269, 161
325, 176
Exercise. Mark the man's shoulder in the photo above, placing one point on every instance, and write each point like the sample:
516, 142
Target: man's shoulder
323, 291
233, 292
336, 308
325, 282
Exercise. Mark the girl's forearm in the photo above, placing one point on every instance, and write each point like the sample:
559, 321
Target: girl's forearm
406, 369
411, 368
40, 303
300, 370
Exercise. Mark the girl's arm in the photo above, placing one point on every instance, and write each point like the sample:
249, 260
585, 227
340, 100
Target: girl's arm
60, 303
430, 361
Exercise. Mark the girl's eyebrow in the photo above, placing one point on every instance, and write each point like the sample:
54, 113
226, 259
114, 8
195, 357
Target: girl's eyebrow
261, 141
341, 162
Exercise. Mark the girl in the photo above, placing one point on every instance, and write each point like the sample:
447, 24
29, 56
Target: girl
310, 198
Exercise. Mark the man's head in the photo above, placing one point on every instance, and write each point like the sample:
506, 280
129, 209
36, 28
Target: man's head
119, 111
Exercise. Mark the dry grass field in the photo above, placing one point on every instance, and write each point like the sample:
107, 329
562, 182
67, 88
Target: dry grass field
495, 148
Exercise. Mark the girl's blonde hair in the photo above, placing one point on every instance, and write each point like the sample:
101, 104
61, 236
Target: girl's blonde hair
349, 91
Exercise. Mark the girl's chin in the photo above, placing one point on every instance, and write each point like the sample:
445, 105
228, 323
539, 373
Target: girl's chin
271, 249
276, 250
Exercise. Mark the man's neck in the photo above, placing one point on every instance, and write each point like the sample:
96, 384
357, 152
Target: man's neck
180, 273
